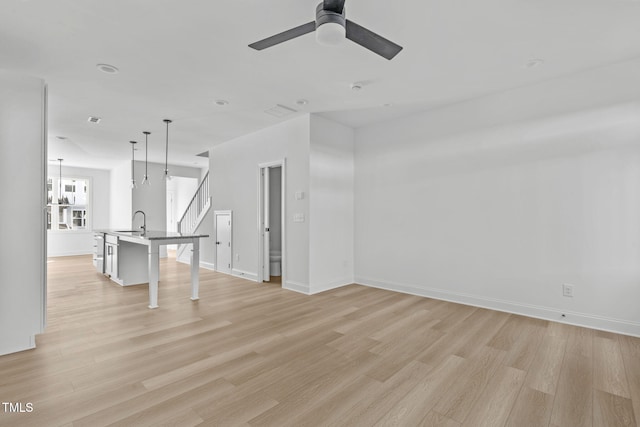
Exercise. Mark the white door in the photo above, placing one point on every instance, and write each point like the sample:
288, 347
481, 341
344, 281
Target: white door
223, 242
266, 272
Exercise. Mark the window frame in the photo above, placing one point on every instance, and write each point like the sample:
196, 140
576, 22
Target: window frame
55, 218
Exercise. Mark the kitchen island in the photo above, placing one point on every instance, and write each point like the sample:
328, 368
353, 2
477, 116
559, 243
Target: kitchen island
133, 257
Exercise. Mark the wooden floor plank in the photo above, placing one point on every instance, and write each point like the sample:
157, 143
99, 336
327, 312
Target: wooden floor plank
495, 404
610, 410
608, 367
256, 354
573, 403
531, 409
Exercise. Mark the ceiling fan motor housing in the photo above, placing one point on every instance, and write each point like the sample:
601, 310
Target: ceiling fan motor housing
330, 26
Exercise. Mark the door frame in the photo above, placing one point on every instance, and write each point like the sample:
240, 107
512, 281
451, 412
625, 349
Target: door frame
283, 216
215, 235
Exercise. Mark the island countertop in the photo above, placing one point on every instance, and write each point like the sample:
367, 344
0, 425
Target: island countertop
151, 234
144, 264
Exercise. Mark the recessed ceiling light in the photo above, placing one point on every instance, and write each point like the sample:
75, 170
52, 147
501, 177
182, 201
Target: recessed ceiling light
302, 102
356, 86
535, 62
221, 102
106, 68
93, 119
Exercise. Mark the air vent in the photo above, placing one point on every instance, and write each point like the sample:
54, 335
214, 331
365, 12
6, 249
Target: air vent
93, 119
280, 111
203, 154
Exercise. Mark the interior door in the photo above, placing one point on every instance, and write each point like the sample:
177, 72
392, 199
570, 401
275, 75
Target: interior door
223, 243
266, 272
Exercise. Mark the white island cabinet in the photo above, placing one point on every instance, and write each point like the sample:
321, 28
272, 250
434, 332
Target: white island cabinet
133, 258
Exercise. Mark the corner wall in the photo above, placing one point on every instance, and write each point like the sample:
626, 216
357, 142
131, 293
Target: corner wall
502, 216
233, 172
331, 218
23, 154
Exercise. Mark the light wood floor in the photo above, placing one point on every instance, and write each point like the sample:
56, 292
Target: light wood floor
249, 354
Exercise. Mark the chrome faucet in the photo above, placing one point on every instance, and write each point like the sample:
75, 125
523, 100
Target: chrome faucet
144, 220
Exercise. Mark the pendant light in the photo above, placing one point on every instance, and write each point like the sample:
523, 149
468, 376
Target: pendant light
146, 158
133, 161
60, 198
166, 156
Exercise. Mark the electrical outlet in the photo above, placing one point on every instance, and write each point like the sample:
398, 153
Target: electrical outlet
567, 290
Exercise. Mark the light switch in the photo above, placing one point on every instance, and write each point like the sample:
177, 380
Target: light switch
299, 195
298, 217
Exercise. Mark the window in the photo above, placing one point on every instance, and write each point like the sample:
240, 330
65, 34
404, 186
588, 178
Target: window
68, 204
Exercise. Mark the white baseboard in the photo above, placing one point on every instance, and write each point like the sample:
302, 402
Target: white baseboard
244, 274
15, 344
546, 313
203, 264
338, 283
296, 287
69, 253
207, 265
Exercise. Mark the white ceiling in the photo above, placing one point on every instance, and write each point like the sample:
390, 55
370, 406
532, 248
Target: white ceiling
176, 58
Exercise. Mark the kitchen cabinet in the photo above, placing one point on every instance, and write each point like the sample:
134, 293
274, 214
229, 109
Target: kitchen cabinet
111, 256
98, 252
125, 263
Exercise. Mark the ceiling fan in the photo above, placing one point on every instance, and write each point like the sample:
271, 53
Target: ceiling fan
331, 28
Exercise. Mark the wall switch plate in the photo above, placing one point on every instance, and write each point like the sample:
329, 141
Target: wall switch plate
567, 290
298, 217
237, 257
299, 195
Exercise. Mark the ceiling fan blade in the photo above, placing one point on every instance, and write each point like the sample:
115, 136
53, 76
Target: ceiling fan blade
336, 6
372, 41
284, 36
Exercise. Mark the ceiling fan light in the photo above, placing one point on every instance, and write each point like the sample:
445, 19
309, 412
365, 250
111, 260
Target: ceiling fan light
330, 34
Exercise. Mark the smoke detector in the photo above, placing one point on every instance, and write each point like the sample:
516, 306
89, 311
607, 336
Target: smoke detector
106, 68
93, 119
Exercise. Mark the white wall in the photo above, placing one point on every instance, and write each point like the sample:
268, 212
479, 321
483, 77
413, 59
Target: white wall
22, 219
502, 215
63, 243
331, 218
233, 168
152, 198
120, 197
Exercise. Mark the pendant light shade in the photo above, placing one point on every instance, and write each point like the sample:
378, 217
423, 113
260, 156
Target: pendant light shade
133, 161
146, 158
166, 156
60, 198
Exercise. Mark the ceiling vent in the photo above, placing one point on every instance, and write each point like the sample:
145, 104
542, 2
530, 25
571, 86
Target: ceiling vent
280, 111
203, 154
93, 119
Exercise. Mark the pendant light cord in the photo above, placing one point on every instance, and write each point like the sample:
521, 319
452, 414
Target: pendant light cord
133, 161
146, 157
60, 181
166, 154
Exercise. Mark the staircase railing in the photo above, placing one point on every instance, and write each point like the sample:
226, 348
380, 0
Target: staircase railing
197, 205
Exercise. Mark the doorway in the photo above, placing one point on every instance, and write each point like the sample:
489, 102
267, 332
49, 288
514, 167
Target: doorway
271, 222
222, 248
